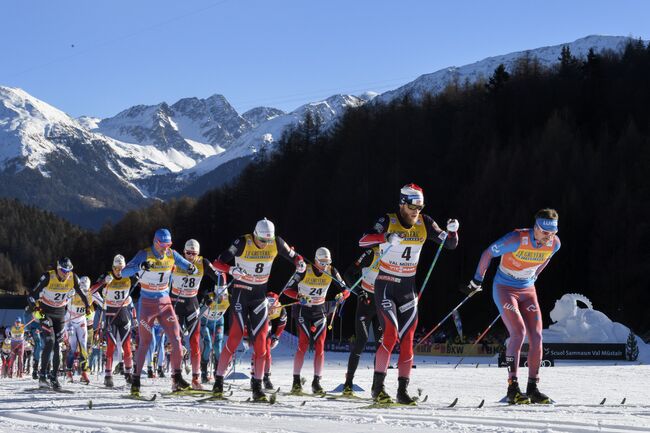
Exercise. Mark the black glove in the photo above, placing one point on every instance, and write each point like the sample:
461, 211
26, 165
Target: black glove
31, 304
473, 286
146, 265
364, 297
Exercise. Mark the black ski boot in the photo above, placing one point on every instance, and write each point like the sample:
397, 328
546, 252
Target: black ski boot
402, 393
42, 382
178, 383
150, 374
316, 388
161, 372
515, 396
348, 386
108, 381
35, 370
54, 382
296, 388
217, 389
204, 372
128, 377
258, 393
135, 386
267, 381
533, 393
379, 394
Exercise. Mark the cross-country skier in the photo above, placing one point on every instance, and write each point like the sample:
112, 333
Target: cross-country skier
77, 329
212, 325
310, 289
277, 323
366, 266
524, 255
17, 345
396, 296
185, 294
119, 317
155, 265
48, 301
35, 329
253, 255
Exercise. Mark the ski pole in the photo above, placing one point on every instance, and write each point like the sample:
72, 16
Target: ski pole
329, 325
445, 318
480, 337
443, 238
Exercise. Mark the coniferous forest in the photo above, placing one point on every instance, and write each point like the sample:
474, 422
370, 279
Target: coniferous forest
492, 153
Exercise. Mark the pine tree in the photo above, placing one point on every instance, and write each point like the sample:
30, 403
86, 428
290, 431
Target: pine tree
631, 348
498, 79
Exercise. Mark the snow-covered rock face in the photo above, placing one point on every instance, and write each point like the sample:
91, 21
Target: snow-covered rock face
547, 56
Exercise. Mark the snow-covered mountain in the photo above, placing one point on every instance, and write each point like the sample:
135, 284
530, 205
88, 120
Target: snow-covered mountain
547, 56
158, 151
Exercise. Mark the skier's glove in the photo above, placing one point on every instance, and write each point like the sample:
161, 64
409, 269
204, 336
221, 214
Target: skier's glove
146, 265
237, 272
473, 286
301, 266
274, 341
342, 296
452, 225
394, 238
108, 279
304, 299
38, 313
364, 297
192, 270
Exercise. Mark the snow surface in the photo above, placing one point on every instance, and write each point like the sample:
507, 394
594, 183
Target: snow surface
578, 387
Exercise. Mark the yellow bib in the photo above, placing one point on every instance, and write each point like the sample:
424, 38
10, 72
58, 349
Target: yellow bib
185, 284
314, 286
257, 262
56, 293
402, 260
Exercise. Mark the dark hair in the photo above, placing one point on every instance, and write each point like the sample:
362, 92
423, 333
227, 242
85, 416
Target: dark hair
547, 213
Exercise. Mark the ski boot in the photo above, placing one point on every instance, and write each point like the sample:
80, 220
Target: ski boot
348, 386
108, 381
161, 372
84, 378
379, 394
54, 382
533, 393
204, 372
217, 389
296, 388
402, 393
196, 382
178, 383
514, 395
150, 373
128, 378
267, 381
135, 386
316, 387
68, 376
42, 382
258, 393
119, 368
35, 370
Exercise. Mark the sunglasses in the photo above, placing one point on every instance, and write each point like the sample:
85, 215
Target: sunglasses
65, 271
191, 253
414, 207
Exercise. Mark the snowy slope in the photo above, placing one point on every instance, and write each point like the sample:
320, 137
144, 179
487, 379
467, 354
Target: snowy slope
577, 387
326, 112
437, 81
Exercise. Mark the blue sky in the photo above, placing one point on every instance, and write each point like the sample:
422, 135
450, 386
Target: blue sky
279, 53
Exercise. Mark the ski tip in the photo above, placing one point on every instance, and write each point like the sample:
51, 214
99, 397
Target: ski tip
480, 405
426, 397
304, 402
603, 401
453, 403
624, 400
